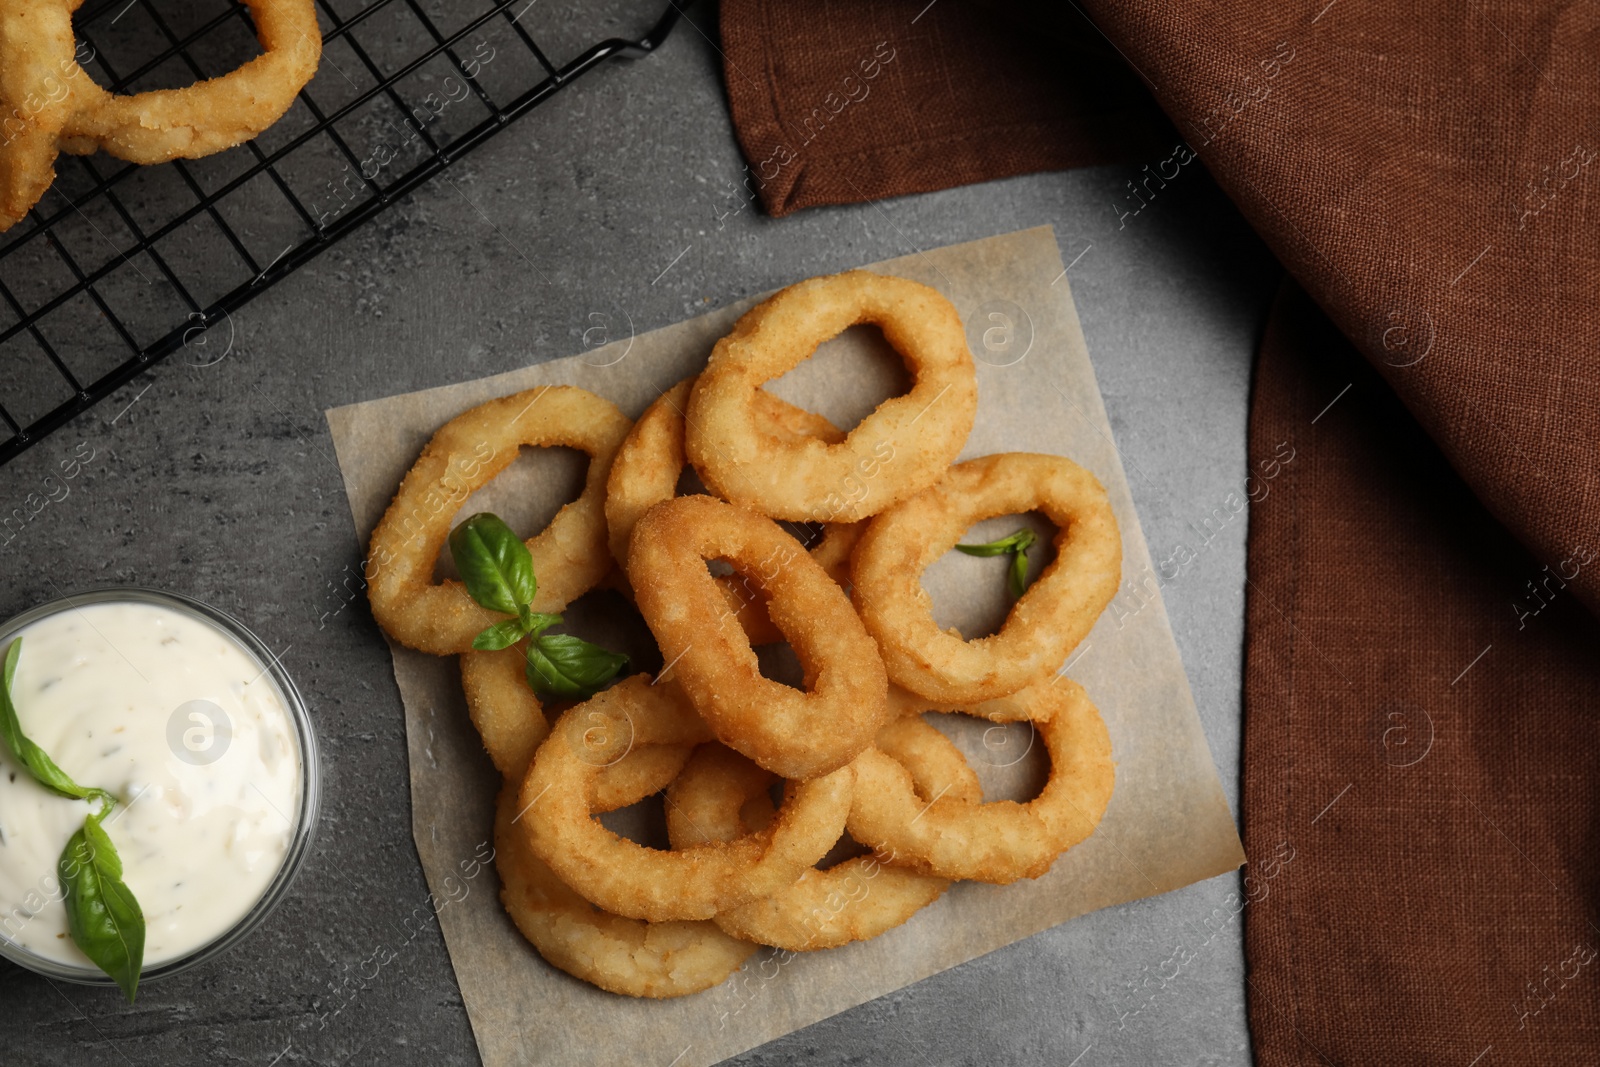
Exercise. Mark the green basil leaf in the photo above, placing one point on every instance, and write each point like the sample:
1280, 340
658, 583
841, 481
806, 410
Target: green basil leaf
561, 665
500, 635
1019, 573
537, 622
33, 758
505, 634
1016, 545
102, 916
494, 563
1017, 542
104, 919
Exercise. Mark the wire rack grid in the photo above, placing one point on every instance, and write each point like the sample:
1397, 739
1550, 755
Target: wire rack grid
120, 266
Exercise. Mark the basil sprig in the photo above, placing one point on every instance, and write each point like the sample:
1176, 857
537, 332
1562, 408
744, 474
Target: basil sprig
1016, 545
103, 917
566, 666
495, 564
498, 571
35, 759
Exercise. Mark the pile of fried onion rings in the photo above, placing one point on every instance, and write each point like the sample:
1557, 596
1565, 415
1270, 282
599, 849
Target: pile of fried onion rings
49, 104
764, 782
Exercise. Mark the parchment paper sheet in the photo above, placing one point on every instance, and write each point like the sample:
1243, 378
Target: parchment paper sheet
1168, 824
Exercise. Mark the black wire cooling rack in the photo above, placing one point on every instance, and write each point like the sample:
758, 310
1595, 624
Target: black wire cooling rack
120, 266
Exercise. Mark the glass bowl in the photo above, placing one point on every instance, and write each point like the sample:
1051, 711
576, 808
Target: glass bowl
310, 780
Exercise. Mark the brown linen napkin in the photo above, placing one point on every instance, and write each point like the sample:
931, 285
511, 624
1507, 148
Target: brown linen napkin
1426, 171
837, 101
1422, 694
1420, 739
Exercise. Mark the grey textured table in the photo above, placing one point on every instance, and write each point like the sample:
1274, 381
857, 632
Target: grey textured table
219, 481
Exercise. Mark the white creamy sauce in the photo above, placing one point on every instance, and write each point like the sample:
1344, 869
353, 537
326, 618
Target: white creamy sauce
108, 691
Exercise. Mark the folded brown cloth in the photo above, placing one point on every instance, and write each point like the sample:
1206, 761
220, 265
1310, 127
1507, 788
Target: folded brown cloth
952, 100
1425, 173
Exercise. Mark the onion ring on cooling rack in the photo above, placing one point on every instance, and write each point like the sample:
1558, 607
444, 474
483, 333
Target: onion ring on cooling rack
721, 796
1000, 841
650, 461
798, 735
629, 879
899, 449
209, 116
1051, 617
569, 556
55, 106
38, 73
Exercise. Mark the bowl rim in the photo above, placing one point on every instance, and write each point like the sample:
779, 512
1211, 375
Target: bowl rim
304, 829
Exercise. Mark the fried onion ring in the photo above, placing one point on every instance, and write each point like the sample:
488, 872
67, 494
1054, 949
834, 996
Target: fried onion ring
650, 461
636, 959
512, 723
569, 556
798, 735
37, 75
901, 448
503, 707
749, 602
1051, 617
721, 796
629, 879
1013, 707
1000, 841
50, 104
209, 116
621, 955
